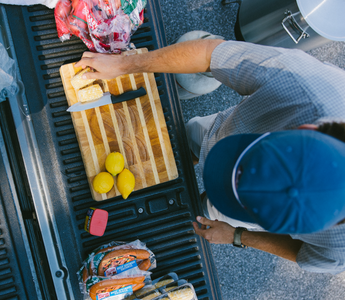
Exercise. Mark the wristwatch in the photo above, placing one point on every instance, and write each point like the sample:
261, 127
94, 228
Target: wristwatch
237, 237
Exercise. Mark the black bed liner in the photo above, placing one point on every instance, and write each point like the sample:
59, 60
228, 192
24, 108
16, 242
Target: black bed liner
161, 216
19, 279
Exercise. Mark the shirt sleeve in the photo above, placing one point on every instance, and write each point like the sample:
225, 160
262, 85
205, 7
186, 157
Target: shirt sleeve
245, 67
319, 260
322, 252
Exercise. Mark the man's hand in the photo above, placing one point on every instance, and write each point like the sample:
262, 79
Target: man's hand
215, 232
106, 66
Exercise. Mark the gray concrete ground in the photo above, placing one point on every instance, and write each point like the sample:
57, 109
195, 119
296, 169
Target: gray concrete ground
247, 274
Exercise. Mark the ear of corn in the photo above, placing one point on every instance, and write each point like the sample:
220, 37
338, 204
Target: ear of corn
182, 294
152, 296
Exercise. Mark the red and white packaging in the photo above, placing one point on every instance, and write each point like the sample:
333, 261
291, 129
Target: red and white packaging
102, 25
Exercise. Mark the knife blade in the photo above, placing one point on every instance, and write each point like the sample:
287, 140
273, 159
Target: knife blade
108, 98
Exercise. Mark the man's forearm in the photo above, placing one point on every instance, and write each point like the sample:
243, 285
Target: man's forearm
187, 57
277, 244
218, 232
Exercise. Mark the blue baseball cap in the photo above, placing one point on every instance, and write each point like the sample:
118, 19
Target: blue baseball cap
289, 182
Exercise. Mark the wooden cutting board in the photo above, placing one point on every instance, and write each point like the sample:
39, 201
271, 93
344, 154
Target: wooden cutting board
135, 128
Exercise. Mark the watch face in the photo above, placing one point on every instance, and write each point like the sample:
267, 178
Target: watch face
241, 246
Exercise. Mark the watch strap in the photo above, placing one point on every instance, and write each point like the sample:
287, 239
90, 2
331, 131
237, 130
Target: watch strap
237, 237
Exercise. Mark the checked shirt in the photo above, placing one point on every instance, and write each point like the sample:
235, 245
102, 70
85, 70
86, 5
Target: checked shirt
282, 89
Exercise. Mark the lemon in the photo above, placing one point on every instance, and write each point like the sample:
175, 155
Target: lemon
103, 182
114, 163
125, 183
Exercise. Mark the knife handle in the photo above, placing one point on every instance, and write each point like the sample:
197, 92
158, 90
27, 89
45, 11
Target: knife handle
128, 95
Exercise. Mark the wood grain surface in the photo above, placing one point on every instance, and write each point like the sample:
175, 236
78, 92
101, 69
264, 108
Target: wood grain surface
136, 128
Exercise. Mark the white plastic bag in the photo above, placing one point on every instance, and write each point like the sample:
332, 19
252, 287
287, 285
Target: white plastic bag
8, 82
49, 3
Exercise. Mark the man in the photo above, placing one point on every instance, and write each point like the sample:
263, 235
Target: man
256, 166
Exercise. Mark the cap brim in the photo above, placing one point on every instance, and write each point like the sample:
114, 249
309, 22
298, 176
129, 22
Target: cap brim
217, 175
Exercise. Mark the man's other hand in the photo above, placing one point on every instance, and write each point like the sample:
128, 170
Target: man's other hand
216, 232
106, 66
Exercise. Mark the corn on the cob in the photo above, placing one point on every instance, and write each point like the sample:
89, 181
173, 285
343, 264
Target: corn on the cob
144, 290
152, 296
170, 288
163, 283
77, 82
90, 93
182, 294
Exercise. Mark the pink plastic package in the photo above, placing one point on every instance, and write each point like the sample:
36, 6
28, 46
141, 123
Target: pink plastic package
104, 26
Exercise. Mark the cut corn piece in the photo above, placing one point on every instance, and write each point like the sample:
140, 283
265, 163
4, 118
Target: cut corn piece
163, 283
182, 294
78, 83
170, 288
144, 290
152, 296
90, 93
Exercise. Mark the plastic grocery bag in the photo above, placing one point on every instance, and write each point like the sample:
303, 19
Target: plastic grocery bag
8, 82
104, 26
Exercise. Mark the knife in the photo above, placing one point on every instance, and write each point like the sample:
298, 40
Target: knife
107, 98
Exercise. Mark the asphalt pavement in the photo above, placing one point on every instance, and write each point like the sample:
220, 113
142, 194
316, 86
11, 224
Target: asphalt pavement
247, 273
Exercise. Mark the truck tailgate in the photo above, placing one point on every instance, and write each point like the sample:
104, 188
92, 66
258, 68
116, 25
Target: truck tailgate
161, 216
